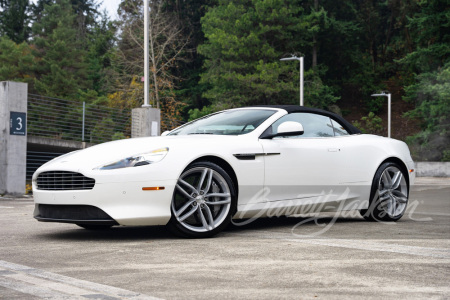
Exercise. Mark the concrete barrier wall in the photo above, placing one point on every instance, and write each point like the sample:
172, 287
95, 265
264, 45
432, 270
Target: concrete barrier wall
13, 139
433, 169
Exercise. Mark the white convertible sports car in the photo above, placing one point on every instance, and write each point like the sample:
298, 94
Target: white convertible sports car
235, 164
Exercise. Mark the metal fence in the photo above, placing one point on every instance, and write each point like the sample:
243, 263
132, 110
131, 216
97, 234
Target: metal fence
35, 159
77, 121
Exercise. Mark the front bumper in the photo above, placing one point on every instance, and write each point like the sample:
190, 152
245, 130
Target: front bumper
124, 203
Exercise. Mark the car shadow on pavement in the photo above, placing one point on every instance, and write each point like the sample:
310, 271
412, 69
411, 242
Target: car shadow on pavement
137, 233
118, 233
283, 221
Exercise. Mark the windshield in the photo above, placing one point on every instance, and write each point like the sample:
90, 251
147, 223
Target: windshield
231, 122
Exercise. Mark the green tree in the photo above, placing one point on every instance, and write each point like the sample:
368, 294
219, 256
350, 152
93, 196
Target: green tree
37, 9
14, 21
370, 124
16, 61
429, 90
245, 40
86, 13
61, 70
188, 69
432, 96
360, 46
430, 32
100, 48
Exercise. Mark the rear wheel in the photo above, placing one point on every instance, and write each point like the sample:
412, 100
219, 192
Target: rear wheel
389, 194
203, 201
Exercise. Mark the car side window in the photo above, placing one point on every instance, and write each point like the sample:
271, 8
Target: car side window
338, 129
313, 125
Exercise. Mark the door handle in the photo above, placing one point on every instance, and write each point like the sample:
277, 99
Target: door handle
333, 150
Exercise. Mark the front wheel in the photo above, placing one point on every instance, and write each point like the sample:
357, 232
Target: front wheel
389, 194
203, 201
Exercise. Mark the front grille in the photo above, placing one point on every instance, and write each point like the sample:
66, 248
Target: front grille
77, 214
63, 180
72, 212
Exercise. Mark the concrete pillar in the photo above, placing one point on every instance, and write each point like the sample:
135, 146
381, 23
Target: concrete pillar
146, 121
13, 137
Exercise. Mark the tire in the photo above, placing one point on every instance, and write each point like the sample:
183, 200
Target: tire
389, 194
94, 227
203, 202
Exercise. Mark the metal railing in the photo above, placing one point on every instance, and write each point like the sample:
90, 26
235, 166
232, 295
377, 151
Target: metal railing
77, 121
35, 159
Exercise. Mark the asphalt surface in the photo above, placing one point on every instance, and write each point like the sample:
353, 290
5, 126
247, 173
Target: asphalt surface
321, 257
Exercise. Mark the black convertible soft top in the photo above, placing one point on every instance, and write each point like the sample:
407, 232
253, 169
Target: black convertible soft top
296, 108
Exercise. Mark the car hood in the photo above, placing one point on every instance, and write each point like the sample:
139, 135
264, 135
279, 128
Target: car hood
102, 154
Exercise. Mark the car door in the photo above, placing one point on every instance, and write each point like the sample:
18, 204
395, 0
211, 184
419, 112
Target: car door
305, 166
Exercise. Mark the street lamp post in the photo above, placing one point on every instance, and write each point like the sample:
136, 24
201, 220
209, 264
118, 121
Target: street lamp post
300, 59
146, 68
383, 94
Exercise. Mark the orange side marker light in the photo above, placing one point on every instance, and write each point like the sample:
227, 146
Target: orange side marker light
153, 188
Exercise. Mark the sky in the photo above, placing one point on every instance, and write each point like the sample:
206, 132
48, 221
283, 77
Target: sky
111, 6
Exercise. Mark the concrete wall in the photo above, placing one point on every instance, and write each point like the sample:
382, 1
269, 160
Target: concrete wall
146, 121
13, 148
433, 169
57, 144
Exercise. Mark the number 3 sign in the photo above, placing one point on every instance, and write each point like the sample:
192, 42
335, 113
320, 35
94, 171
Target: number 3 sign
18, 123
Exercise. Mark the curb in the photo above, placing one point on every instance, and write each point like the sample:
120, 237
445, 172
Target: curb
432, 169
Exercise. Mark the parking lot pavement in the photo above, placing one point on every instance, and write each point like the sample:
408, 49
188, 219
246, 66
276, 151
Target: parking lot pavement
325, 256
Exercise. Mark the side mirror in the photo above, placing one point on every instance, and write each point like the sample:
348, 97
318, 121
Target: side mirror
165, 133
288, 128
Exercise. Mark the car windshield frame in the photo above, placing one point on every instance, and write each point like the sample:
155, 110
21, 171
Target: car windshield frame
227, 122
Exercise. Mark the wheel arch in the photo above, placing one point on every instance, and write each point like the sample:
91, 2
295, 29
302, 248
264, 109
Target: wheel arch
401, 164
224, 165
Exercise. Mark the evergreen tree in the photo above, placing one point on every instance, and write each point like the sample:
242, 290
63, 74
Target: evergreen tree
188, 69
100, 44
430, 88
430, 32
61, 70
14, 20
86, 14
16, 61
431, 92
245, 41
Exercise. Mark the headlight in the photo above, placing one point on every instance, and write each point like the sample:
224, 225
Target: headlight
136, 160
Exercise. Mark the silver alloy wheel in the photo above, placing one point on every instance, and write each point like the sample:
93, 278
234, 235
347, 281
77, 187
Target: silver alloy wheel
392, 192
202, 199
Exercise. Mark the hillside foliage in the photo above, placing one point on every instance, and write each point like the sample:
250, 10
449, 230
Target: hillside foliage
208, 55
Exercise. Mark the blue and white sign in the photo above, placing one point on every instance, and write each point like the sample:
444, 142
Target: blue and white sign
18, 123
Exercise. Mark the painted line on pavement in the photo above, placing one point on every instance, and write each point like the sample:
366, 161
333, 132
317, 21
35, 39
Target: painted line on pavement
32, 289
360, 244
430, 214
378, 247
49, 285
